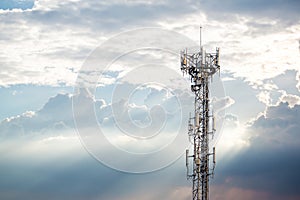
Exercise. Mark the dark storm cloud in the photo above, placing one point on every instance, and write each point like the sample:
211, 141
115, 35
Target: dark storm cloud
272, 162
271, 170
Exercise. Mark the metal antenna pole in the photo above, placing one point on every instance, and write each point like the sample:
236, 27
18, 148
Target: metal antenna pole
201, 67
200, 37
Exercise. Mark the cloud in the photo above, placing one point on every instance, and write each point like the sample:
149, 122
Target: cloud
252, 171
51, 160
264, 97
281, 88
59, 168
292, 100
58, 36
267, 170
270, 164
224, 193
145, 106
278, 9
45, 120
231, 120
282, 117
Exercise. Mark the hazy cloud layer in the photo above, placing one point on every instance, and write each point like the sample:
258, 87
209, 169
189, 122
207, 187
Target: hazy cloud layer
267, 169
57, 113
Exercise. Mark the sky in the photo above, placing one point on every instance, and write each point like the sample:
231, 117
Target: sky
94, 105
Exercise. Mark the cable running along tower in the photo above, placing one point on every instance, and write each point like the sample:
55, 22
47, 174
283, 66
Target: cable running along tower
201, 66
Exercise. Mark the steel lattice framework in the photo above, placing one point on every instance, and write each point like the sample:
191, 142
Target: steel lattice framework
201, 66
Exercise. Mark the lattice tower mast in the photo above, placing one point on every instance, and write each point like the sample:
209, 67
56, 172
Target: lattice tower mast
201, 66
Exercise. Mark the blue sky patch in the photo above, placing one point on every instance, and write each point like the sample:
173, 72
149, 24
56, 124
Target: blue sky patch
16, 4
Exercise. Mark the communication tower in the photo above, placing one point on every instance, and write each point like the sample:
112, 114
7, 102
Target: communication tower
201, 66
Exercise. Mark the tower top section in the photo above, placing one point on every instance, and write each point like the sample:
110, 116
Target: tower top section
200, 64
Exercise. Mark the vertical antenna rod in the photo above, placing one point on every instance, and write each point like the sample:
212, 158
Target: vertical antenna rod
200, 37
201, 67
